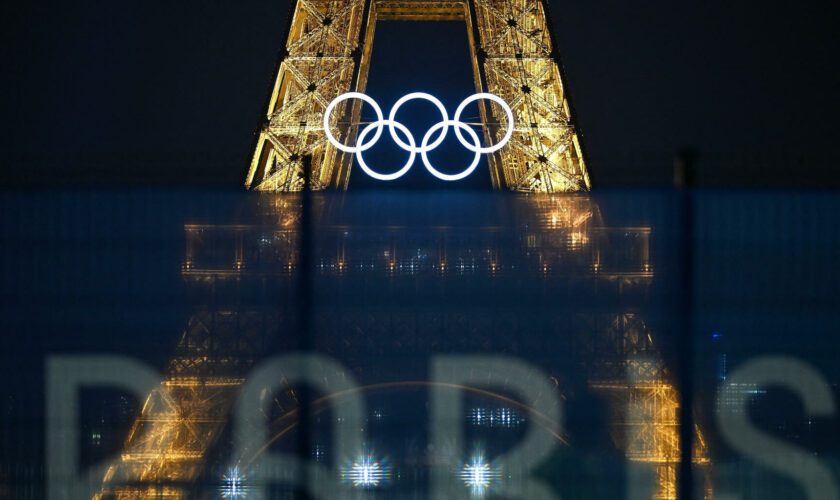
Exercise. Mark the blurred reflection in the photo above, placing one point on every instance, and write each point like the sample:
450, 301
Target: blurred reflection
539, 278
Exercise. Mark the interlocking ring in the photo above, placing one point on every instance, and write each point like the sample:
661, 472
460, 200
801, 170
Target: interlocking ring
498, 100
427, 144
401, 172
346, 97
425, 148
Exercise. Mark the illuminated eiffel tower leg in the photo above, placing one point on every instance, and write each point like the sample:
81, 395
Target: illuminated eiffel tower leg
181, 420
645, 405
320, 61
520, 62
328, 52
167, 448
178, 422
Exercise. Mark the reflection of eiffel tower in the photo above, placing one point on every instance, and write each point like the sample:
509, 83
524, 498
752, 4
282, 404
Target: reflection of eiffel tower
328, 53
560, 241
167, 448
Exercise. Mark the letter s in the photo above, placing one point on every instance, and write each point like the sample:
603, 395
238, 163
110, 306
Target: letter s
733, 422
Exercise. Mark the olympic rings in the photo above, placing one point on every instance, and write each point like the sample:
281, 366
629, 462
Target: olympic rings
427, 144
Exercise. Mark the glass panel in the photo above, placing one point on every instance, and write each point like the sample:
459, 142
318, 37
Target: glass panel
418, 345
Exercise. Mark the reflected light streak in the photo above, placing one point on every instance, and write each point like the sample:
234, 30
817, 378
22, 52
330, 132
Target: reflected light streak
233, 484
365, 472
478, 475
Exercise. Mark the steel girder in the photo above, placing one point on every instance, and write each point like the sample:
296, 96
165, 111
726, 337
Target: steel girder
328, 52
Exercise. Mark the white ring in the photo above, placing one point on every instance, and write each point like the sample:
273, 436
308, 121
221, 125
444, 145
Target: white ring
378, 123
498, 100
440, 175
408, 164
427, 97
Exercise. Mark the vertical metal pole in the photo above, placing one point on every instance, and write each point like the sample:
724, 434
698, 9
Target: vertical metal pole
306, 297
684, 166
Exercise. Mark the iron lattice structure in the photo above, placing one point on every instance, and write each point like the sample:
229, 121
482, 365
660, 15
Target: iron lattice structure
328, 53
168, 448
181, 420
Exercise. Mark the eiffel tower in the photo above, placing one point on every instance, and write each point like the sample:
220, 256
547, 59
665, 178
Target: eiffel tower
560, 241
328, 53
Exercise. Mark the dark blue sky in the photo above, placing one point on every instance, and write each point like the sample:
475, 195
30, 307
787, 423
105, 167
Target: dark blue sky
158, 92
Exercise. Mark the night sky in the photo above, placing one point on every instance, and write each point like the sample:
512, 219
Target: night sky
170, 92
